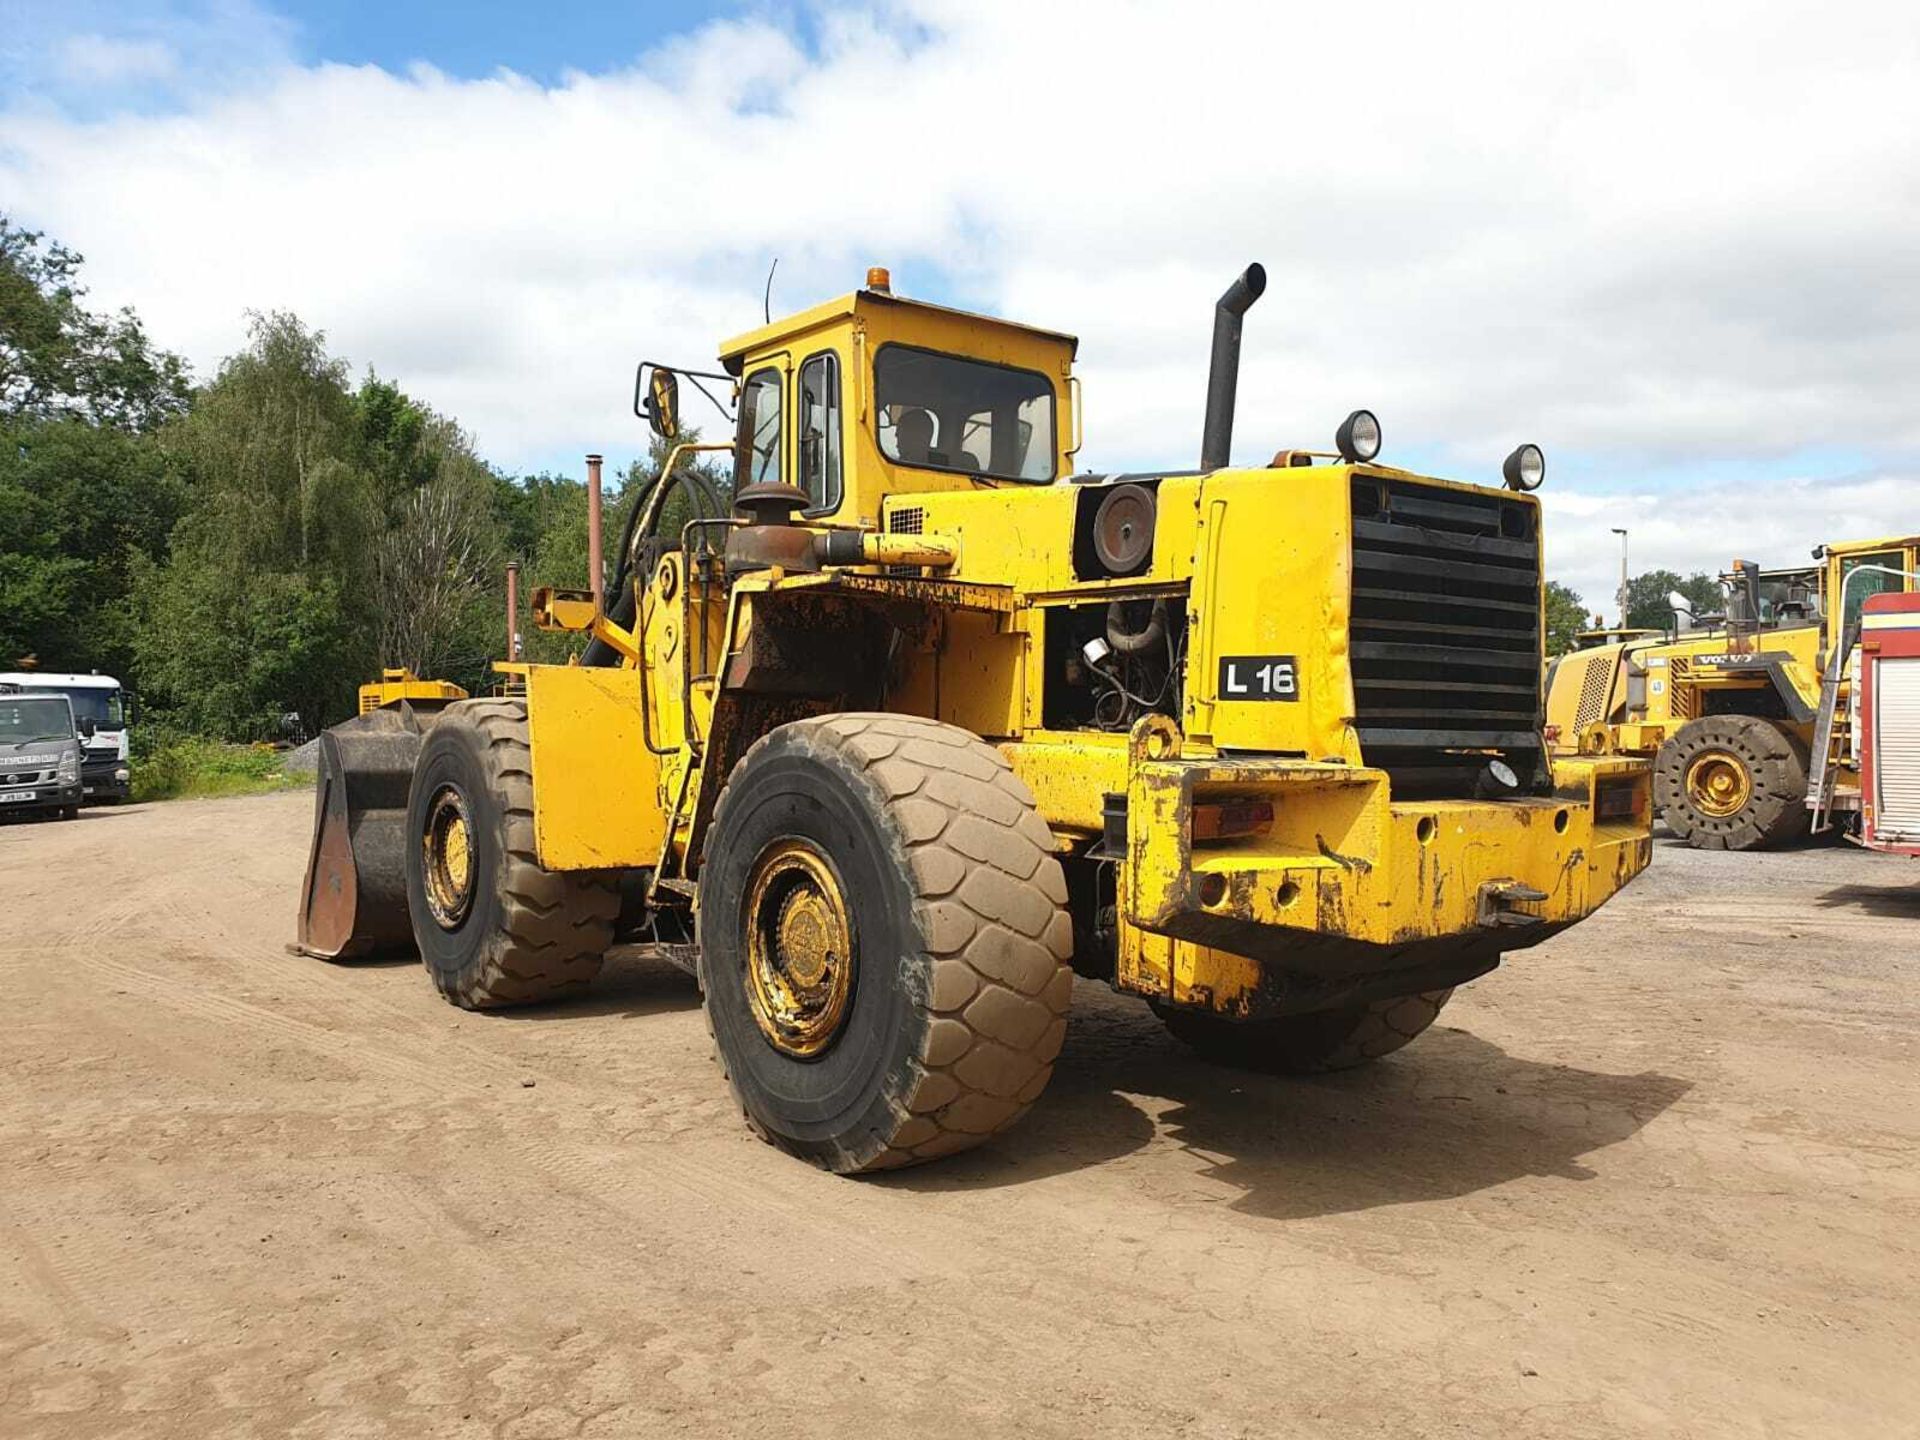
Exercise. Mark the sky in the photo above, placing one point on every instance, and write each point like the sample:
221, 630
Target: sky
1678, 247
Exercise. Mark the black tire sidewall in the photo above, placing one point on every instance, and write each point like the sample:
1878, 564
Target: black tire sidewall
1767, 805
851, 1094
452, 755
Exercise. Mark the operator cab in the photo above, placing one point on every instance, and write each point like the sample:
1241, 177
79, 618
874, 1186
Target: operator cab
1852, 571
873, 395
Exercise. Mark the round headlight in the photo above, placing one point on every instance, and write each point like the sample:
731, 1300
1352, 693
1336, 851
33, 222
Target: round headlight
1525, 468
1358, 438
1503, 775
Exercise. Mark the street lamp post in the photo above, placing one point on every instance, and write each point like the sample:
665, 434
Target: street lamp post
1623, 575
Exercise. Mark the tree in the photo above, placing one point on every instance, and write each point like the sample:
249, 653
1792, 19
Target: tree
439, 564
59, 360
1647, 605
82, 493
1566, 617
79, 504
361, 513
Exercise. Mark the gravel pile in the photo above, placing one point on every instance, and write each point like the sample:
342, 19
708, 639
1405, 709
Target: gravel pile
302, 759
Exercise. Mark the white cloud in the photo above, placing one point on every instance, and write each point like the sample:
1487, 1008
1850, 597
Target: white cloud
1646, 235
104, 60
1706, 528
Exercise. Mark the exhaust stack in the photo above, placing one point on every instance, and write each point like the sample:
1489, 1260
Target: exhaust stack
596, 570
513, 610
1223, 376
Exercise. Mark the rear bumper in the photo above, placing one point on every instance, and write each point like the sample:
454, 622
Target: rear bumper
1349, 893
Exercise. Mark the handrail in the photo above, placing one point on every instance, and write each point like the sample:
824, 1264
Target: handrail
1824, 781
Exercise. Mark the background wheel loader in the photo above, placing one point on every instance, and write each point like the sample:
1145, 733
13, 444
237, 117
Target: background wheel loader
1743, 714
929, 723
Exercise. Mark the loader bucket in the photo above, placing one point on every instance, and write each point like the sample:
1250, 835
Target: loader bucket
354, 903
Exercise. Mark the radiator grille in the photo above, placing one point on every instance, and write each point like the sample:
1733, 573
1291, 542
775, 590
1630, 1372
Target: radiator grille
1445, 632
1896, 749
1682, 698
1594, 688
908, 520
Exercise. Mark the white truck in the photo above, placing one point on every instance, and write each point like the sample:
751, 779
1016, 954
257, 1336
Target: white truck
100, 710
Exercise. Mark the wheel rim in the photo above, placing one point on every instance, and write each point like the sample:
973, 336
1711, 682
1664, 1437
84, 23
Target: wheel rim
447, 845
1718, 784
799, 971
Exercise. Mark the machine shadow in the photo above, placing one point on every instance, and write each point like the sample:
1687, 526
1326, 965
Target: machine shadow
628, 985
1450, 1115
1898, 902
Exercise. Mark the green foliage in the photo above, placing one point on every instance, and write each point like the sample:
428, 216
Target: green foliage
1647, 605
329, 532
79, 506
60, 360
189, 766
84, 494
1566, 617
236, 655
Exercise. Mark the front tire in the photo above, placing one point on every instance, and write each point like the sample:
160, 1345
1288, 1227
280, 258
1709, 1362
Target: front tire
883, 941
493, 927
1313, 1043
1732, 782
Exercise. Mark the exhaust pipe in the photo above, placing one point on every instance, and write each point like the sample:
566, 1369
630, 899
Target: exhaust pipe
1223, 376
513, 610
596, 571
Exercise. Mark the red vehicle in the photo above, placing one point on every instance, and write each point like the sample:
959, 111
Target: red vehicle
1887, 720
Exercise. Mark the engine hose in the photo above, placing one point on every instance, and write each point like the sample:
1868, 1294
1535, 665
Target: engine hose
1129, 642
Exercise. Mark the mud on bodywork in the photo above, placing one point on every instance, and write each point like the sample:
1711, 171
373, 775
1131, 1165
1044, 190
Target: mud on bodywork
1346, 894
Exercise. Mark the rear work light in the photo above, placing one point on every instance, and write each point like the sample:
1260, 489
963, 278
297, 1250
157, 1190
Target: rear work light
1231, 819
1616, 799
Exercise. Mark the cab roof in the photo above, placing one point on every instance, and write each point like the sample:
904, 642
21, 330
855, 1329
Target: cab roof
1849, 547
733, 353
43, 678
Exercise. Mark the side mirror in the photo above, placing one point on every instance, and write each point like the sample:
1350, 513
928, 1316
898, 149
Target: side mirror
657, 397
86, 727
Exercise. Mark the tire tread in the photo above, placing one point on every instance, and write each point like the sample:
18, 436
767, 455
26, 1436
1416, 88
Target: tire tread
989, 902
555, 925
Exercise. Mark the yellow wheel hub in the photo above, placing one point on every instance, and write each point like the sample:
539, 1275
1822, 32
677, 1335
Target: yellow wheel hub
1718, 784
799, 972
447, 844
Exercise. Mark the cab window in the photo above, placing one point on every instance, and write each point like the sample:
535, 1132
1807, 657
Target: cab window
1875, 583
820, 432
757, 453
943, 412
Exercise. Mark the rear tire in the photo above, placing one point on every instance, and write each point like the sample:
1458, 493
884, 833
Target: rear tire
1732, 782
1313, 1043
929, 1018
513, 933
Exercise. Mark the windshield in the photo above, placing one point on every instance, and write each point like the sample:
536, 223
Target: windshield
940, 412
24, 719
103, 707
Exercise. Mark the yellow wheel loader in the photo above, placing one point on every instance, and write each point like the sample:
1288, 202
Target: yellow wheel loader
925, 722
1743, 713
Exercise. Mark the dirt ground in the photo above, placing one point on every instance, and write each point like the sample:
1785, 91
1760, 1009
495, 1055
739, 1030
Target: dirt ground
1655, 1177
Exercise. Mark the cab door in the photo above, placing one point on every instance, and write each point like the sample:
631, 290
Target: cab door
1847, 591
